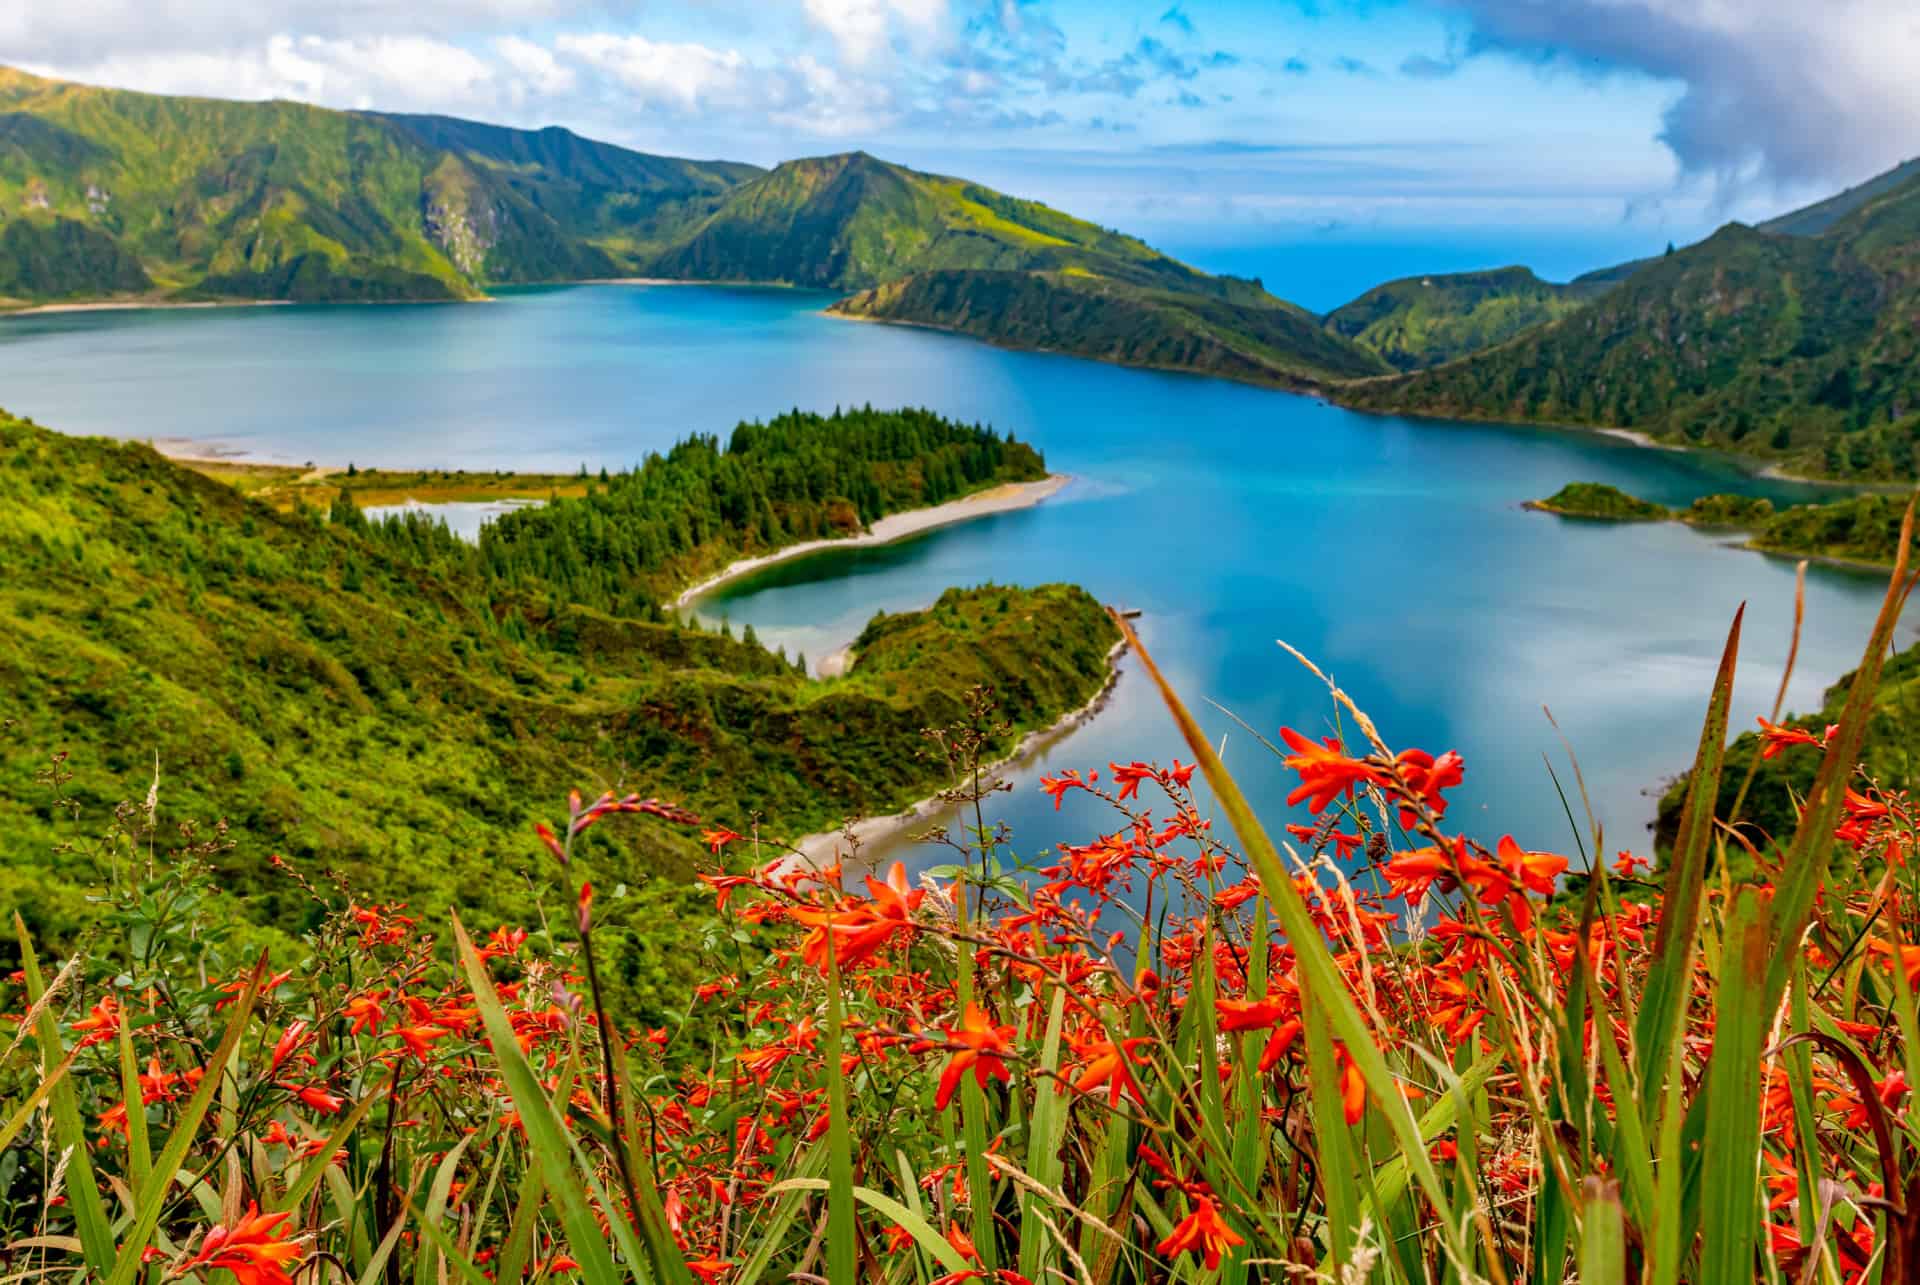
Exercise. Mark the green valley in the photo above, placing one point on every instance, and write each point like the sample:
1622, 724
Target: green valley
380, 702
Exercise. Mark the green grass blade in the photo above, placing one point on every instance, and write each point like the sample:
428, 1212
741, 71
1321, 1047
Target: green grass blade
1046, 1133
310, 1176
89, 1212
1603, 1236
546, 1133
1669, 980
842, 1247
41, 1092
424, 1271
1806, 859
769, 1235
1730, 1205
887, 1207
139, 1147
1321, 983
151, 1199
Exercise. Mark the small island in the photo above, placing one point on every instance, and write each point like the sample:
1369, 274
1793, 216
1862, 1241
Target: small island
1861, 529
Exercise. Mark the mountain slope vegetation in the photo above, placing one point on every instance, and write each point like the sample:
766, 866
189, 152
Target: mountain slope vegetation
1114, 320
211, 198
1799, 348
334, 693
1423, 321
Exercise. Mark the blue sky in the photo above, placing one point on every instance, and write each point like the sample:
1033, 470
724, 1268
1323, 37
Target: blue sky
1596, 124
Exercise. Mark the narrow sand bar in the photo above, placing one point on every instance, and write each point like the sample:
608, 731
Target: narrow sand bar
897, 526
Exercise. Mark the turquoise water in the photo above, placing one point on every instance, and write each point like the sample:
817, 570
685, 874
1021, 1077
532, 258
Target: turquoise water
1394, 553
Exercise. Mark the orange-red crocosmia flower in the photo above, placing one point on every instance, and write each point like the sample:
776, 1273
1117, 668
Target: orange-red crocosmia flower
102, 1023
419, 1039
1534, 871
1425, 777
1776, 738
1325, 772
718, 838
252, 1249
1247, 1014
859, 929
985, 1044
1056, 787
1204, 1232
1107, 1063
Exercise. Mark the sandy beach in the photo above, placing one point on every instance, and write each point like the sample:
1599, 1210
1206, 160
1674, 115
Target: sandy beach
897, 526
139, 305
818, 850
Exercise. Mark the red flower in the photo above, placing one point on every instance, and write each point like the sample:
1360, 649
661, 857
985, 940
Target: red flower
984, 1044
1776, 738
101, 1024
252, 1249
859, 929
1204, 1232
1247, 1014
1325, 772
718, 838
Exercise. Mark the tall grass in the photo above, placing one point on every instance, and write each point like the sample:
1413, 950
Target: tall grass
1374, 1049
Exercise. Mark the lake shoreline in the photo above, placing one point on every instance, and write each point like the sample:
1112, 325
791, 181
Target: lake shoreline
818, 850
1006, 498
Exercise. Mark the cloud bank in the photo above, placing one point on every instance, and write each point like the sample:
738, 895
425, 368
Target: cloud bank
1790, 92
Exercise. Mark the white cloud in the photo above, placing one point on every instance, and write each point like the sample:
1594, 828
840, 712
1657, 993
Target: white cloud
661, 73
539, 71
864, 29
822, 102
1793, 91
404, 72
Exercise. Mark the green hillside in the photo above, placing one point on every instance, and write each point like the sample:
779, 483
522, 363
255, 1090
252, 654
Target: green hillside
336, 693
129, 194
1114, 320
1797, 348
1423, 321
851, 221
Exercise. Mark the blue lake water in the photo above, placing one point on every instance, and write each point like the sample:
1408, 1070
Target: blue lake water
1393, 552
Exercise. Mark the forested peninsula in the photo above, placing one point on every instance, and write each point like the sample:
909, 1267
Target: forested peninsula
388, 703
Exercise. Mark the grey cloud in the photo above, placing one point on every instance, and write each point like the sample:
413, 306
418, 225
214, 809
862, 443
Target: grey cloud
1786, 91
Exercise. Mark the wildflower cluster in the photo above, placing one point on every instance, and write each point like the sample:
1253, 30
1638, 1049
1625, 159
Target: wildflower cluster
1178, 1051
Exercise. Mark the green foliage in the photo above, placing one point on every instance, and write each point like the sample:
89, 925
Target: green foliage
700, 506
1423, 321
1862, 528
281, 200
852, 221
380, 710
1598, 500
1890, 753
1261, 340
1793, 347
64, 259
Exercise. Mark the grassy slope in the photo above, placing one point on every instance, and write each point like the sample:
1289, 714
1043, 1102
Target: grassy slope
1796, 348
1423, 321
1113, 320
280, 199
345, 707
934, 250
